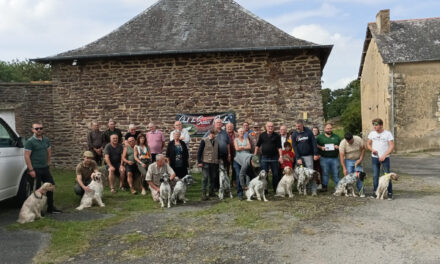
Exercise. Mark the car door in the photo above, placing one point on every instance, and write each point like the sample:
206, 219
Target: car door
11, 161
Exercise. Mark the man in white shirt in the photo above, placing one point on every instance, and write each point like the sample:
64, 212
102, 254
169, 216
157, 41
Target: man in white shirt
184, 136
381, 144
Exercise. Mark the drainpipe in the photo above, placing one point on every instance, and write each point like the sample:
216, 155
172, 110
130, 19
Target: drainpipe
392, 100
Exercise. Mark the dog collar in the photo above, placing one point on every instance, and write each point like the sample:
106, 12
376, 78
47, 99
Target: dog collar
35, 194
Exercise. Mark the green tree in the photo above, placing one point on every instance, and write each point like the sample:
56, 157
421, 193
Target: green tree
24, 71
346, 103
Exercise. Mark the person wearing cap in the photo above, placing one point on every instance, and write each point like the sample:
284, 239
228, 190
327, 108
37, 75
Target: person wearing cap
208, 159
351, 154
253, 135
84, 172
245, 165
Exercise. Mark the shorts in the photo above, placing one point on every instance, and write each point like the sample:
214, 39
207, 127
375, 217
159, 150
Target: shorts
131, 168
117, 173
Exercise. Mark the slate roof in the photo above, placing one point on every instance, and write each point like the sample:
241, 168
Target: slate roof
191, 26
414, 40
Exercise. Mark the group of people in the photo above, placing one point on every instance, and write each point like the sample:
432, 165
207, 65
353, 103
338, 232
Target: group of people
241, 153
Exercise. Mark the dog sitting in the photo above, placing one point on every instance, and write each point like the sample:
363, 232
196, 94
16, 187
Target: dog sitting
285, 185
95, 194
225, 185
34, 204
384, 181
180, 189
347, 184
165, 191
257, 186
303, 175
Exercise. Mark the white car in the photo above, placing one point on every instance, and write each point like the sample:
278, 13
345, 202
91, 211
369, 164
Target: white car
14, 180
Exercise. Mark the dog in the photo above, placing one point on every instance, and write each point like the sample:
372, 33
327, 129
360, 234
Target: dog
34, 204
95, 194
165, 191
347, 184
303, 175
180, 189
384, 181
285, 185
257, 186
225, 185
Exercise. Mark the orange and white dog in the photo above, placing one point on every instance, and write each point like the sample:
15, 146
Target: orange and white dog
285, 185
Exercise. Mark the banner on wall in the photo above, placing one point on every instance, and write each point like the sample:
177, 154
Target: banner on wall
198, 124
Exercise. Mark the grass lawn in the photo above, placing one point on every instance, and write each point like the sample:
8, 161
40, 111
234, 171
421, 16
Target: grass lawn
70, 238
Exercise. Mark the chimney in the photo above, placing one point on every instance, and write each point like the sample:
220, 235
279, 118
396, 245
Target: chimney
383, 21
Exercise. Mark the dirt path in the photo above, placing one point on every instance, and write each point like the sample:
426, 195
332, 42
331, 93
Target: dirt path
405, 230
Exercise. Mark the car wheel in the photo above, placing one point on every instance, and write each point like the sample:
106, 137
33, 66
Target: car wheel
25, 189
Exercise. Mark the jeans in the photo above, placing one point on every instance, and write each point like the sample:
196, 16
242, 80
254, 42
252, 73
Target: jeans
272, 162
349, 164
308, 163
330, 165
244, 181
43, 175
376, 172
209, 171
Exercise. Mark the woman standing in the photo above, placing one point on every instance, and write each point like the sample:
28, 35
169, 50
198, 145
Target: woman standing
143, 159
177, 153
242, 145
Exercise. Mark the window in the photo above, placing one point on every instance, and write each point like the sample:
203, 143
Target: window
7, 138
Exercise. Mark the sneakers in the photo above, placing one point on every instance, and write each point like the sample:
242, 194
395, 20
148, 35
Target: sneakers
143, 192
390, 196
373, 196
54, 210
323, 188
240, 198
319, 187
362, 195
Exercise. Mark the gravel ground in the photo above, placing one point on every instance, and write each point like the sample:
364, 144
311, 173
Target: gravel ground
405, 230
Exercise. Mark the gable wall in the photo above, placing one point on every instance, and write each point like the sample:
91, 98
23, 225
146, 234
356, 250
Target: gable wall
375, 96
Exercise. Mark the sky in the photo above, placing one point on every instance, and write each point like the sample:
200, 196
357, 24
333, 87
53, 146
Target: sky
41, 28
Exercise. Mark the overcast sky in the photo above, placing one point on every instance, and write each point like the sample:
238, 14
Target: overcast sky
40, 28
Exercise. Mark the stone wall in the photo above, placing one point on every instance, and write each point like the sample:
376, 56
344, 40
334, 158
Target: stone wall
417, 91
30, 102
258, 86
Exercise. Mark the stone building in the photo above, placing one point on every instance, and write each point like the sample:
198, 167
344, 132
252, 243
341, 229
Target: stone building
183, 56
400, 80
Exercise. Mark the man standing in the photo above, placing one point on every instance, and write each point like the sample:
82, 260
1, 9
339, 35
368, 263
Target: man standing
283, 134
155, 171
304, 145
271, 153
155, 140
381, 144
37, 154
95, 142
112, 130
351, 153
328, 145
113, 158
224, 149
84, 172
184, 136
132, 132
207, 159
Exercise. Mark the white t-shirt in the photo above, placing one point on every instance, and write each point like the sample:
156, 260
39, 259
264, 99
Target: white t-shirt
380, 142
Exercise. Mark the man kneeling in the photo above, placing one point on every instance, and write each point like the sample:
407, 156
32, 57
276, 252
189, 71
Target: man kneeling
155, 171
84, 171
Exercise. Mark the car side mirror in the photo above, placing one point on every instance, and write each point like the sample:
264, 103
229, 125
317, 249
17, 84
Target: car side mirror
19, 143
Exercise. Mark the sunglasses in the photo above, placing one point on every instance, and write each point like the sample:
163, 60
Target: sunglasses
375, 124
38, 128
